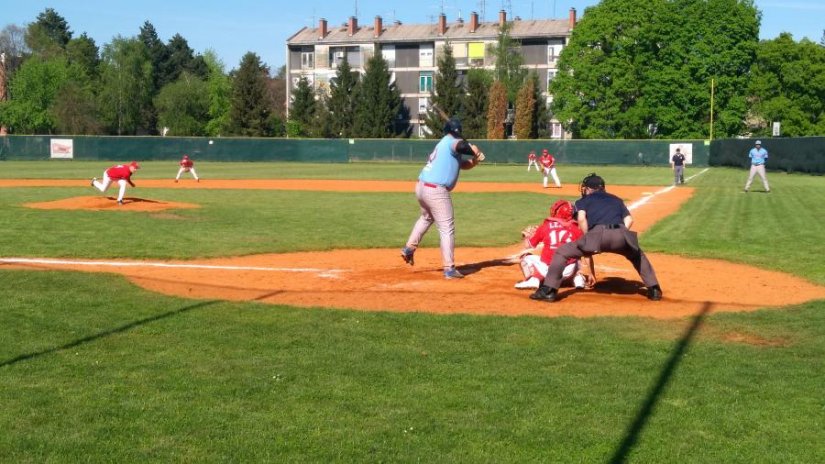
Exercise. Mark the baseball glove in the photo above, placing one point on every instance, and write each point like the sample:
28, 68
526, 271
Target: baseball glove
528, 231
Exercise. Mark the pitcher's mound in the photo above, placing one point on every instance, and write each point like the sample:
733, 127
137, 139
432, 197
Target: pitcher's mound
110, 203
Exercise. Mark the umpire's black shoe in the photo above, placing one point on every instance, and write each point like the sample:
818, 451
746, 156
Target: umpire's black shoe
544, 293
654, 293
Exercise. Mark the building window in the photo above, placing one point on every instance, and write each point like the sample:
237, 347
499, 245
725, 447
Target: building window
425, 55
475, 53
425, 81
388, 53
555, 130
460, 54
336, 57
308, 60
551, 74
553, 53
423, 103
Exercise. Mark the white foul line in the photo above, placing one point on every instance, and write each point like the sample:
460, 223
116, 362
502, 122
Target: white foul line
644, 200
321, 272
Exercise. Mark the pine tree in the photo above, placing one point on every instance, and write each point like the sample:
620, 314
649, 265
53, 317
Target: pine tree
476, 102
447, 93
302, 109
249, 112
341, 104
378, 102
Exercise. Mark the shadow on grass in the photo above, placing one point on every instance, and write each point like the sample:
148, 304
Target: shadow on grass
637, 426
99, 335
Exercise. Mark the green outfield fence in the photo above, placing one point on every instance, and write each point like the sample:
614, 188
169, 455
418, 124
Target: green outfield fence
622, 152
806, 154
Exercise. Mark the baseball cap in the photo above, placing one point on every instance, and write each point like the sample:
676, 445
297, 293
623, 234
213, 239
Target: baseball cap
544, 150
593, 181
134, 164
758, 142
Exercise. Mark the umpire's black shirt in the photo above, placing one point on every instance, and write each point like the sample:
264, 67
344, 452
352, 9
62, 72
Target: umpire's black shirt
602, 208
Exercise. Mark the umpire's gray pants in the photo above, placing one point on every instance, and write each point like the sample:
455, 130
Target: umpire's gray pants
436, 206
597, 240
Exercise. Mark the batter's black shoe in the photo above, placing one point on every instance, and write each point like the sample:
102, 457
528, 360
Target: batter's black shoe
654, 293
408, 254
544, 293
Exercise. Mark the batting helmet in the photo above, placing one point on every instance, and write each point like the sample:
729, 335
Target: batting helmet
453, 126
562, 209
592, 181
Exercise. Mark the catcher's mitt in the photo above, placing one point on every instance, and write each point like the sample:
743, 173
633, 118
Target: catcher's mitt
528, 231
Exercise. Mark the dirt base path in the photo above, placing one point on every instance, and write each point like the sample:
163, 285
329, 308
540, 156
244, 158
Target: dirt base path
377, 279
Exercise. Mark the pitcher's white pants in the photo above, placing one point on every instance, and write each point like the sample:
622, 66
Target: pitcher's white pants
182, 170
552, 172
106, 182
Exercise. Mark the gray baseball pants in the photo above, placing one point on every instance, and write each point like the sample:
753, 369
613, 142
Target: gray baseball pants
436, 206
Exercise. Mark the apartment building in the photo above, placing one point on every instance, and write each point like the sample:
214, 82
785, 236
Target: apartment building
412, 52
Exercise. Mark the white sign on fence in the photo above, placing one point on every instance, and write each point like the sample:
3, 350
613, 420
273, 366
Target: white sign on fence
62, 148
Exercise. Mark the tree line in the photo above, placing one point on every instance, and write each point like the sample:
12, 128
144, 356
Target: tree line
60, 84
632, 69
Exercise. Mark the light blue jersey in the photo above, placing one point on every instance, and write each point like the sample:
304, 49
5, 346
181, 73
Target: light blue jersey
758, 156
443, 165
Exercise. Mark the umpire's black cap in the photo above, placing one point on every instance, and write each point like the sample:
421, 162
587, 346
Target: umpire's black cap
593, 181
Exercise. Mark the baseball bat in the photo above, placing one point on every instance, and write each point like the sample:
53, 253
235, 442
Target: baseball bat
445, 118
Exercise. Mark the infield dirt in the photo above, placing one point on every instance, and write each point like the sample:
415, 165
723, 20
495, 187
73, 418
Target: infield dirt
378, 280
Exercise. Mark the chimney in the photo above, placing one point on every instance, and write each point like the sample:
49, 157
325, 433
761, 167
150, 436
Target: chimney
502, 18
473, 21
379, 26
572, 20
442, 24
322, 28
353, 26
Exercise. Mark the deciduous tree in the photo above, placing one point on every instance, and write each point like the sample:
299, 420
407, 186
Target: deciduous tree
125, 98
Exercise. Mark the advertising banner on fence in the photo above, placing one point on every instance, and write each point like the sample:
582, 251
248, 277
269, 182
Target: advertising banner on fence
62, 148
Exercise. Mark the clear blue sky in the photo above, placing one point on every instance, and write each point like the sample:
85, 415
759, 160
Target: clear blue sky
234, 27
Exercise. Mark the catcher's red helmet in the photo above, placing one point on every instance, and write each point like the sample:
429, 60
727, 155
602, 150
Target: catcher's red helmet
562, 209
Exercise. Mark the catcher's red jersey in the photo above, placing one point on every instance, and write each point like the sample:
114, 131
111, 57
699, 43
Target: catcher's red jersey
554, 233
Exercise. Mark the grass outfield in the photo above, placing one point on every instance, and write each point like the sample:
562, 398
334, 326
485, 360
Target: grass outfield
95, 369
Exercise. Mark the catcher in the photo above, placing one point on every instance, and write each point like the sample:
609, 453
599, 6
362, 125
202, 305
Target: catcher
556, 230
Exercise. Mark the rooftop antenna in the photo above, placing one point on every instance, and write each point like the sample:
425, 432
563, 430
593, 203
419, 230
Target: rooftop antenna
356, 9
482, 4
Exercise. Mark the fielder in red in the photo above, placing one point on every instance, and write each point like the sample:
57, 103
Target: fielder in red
556, 230
548, 166
187, 165
122, 174
531, 161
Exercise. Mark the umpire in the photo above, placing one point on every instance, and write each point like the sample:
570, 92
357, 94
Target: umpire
606, 221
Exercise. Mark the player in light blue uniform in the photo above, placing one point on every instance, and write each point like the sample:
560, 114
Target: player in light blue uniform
437, 179
758, 156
